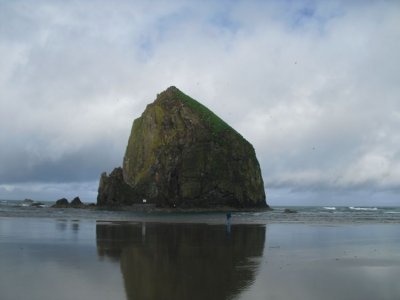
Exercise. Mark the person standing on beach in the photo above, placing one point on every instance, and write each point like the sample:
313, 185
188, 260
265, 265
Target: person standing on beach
228, 218
228, 222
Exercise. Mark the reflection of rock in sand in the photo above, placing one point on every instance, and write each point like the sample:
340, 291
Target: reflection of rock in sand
183, 261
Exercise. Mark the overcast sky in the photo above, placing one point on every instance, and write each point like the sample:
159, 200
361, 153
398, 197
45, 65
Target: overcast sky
313, 85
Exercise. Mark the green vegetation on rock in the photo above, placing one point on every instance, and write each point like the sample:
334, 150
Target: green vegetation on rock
206, 115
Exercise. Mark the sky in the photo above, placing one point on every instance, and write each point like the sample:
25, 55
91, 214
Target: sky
313, 85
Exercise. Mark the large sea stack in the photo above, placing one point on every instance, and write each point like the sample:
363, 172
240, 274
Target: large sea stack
180, 154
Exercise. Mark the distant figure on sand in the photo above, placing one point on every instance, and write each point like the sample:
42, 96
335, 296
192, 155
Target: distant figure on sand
228, 218
228, 222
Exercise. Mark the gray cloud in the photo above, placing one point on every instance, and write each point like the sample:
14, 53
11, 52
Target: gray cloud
313, 85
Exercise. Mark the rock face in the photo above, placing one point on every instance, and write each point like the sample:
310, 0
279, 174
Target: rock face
77, 203
180, 154
61, 203
114, 191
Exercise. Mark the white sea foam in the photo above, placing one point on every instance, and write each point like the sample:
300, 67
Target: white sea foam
363, 208
392, 212
330, 207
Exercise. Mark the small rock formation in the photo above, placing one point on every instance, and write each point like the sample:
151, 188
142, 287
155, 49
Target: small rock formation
61, 203
180, 154
290, 211
114, 191
77, 203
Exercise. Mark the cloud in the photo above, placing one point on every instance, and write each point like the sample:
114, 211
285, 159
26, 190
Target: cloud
313, 85
50, 191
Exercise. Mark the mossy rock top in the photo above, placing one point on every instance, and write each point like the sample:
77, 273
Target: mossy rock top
215, 123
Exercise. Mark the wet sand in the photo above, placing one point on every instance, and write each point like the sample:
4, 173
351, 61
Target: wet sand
44, 258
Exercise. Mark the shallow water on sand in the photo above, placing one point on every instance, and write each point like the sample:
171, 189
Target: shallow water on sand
44, 258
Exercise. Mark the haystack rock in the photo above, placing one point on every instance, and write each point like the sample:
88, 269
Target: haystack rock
180, 154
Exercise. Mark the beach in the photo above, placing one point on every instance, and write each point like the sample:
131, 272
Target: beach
153, 258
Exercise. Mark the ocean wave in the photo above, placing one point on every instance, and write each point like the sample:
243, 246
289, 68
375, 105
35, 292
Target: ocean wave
392, 212
363, 208
330, 207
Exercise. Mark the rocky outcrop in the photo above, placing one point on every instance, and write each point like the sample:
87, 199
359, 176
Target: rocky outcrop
180, 154
114, 191
61, 203
75, 203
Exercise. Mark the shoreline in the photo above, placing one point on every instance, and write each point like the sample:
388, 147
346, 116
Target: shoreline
204, 217
150, 213
151, 208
